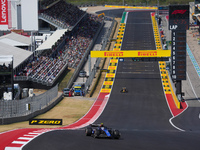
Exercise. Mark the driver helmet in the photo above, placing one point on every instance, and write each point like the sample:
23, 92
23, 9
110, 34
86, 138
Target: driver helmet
101, 125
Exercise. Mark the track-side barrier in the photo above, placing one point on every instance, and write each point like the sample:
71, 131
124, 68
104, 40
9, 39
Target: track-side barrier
164, 73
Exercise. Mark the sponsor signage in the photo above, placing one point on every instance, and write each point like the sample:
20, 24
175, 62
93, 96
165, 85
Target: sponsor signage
148, 54
4, 12
178, 17
105, 90
132, 53
45, 122
113, 54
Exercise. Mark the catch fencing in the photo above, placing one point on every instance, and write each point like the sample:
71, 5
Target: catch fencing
27, 106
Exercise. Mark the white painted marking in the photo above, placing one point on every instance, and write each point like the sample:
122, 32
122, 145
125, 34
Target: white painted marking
25, 138
28, 135
107, 96
192, 87
19, 142
170, 120
125, 20
34, 133
13, 148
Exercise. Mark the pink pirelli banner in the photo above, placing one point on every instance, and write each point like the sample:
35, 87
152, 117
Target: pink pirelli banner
3, 12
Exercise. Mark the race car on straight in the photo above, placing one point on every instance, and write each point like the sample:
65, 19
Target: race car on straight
101, 131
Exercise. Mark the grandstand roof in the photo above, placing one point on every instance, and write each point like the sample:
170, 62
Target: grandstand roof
15, 39
51, 40
19, 55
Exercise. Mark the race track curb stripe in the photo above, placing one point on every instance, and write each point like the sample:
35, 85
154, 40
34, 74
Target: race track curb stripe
156, 32
171, 98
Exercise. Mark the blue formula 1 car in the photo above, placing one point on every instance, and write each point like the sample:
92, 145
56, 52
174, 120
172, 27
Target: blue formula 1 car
101, 131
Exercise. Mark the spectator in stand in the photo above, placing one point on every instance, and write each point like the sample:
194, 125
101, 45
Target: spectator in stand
46, 67
64, 14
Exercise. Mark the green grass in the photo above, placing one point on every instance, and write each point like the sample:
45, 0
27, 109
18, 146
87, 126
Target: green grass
65, 80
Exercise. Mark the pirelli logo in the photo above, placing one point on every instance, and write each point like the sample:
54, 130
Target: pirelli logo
113, 54
132, 53
147, 54
45, 122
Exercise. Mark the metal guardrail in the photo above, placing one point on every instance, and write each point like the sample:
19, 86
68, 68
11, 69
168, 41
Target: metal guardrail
29, 105
21, 78
51, 21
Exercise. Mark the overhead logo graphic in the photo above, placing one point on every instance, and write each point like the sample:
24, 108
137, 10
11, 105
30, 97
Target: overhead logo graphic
132, 53
113, 54
178, 12
147, 53
4, 12
45, 122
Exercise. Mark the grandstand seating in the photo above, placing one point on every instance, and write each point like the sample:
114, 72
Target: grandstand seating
62, 14
47, 66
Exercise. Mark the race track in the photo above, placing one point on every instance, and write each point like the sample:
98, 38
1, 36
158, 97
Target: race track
142, 115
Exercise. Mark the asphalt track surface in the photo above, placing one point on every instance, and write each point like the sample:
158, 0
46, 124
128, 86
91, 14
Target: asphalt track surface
142, 115
190, 119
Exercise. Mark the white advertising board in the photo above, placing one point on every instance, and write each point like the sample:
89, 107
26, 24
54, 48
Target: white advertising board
29, 15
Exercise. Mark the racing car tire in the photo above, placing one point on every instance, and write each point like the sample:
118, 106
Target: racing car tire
116, 134
97, 133
88, 131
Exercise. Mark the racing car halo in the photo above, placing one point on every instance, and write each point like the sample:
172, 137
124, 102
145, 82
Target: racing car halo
101, 131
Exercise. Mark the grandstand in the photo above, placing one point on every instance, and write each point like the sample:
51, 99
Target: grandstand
61, 14
74, 32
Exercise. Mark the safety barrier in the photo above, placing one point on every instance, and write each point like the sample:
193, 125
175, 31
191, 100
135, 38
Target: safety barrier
26, 107
167, 86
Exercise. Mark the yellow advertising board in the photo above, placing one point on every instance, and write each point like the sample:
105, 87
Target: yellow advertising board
133, 53
133, 7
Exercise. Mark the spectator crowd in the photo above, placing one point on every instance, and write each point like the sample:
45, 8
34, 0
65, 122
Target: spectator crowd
63, 14
46, 66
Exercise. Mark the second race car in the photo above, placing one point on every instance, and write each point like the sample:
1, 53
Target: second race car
124, 90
